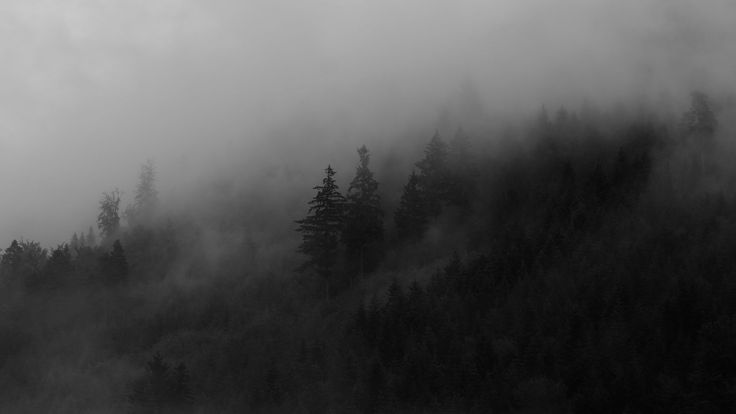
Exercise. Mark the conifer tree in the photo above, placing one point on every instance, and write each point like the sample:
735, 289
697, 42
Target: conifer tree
163, 388
462, 170
146, 197
13, 256
115, 264
154, 390
700, 124
364, 217
108, 221
181, 392
23, 261
91, 238
58, 268
411, 215
74, 242
60, 260
433, 174
699, 120
322, 227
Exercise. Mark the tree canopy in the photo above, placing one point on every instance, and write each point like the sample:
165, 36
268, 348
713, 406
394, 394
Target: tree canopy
108, 220
363, 230
322, 227
411, 216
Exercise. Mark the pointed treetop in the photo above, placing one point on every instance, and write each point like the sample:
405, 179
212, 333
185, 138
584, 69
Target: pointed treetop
411, 217
435, 155
91, 238
700, 119
321, 228
108, 220
363, 215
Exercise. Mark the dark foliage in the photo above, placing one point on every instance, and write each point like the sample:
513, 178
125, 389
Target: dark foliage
363, 231
162, 388
463, 171
411, 217
433, 179
598, 276
322, 227
108, 220
115, 265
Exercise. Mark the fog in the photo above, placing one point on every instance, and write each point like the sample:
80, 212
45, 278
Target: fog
91, 89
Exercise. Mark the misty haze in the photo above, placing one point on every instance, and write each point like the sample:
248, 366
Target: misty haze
347, 206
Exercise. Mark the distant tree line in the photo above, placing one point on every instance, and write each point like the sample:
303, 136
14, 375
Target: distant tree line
350, 229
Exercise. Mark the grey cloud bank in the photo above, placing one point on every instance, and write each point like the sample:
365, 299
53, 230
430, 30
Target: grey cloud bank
90, 89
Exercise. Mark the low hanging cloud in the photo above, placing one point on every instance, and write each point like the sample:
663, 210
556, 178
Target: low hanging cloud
90, 89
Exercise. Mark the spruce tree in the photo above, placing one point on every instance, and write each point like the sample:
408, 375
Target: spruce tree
321, 229
115, 264
364, 217
33, 259
58, 270
60, 262
74, 242
700, 124
462, 170
13, 256
153, 391
81, 241
146, 197
91, 238
699, 120
181, 392
411, 215
433, 174
108, 221
163, 388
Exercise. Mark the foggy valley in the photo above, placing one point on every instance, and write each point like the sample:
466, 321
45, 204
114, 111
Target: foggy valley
371, 207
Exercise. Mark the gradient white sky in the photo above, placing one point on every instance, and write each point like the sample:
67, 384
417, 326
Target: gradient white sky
89, 89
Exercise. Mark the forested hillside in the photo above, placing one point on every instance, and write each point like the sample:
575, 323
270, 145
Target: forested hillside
578, 261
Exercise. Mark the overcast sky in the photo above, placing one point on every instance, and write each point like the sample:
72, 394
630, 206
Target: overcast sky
91, 89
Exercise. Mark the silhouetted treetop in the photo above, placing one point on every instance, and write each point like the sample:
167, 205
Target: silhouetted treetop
115, 264
322, 227
699, 119
364, 217
108, 220
411, 216
433, 177
146, 196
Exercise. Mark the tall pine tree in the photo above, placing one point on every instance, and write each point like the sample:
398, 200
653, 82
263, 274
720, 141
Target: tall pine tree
321, 229
411, 216
700, 124
115, 264
108, 221
363, 231
146, 197
699, 120
434, 174
91, 238
462, 170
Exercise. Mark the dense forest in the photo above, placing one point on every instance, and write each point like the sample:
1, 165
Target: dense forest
580, 261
